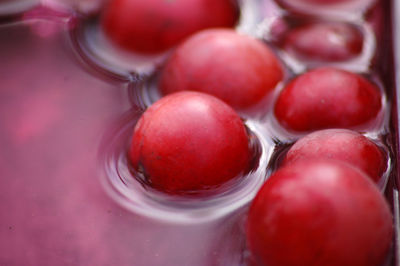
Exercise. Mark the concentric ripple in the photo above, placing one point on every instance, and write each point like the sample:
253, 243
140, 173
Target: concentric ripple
127, 188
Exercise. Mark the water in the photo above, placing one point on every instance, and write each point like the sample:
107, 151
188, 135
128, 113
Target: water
54, 113
66, 115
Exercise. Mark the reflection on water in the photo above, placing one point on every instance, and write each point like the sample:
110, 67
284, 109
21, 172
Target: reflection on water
58, 111
53, 115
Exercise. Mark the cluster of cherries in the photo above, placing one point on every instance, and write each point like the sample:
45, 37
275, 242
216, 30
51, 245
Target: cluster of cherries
322, 206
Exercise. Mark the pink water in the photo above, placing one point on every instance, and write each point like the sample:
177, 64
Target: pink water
55, 112
53, 209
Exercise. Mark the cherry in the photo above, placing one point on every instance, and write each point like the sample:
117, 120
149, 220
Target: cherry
153, 26
328, 98
320, 213
326, 8
326, 2
327, 42
233, 67
322, 2
189, 141
340, 144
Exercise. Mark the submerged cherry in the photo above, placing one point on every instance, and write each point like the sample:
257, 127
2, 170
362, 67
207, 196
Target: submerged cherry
236, 68
340, 144
153, 26
327, 97
189, 141
324, 3
320, 213
328, 42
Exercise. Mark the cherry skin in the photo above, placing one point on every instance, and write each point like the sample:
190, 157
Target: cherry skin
325, 8
320, 213
328, 98
322, 2
340, 144
236, 68
189, 141
326, 2
328, 42
153, 26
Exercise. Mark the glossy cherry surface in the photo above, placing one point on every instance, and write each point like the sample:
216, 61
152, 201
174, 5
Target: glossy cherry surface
320, 2
189, 141
321, 213
328, 97
153, 26
325, 2
236, 68
343, 145
326, 42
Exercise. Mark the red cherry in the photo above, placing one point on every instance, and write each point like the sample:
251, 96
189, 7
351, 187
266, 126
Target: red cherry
189, 141
326, 2
236, 68
321, 213
152, 26
326, 8
324, 42
320, 2
328, 98
340, 144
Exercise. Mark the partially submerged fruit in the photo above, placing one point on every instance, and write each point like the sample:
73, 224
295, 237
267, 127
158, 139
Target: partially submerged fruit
340, 144
324, 42
153, 26
189, 141
320, 213
238, 69
328, 97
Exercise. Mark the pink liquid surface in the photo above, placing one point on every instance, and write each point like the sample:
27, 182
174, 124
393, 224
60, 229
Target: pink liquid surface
53, 209
54, 111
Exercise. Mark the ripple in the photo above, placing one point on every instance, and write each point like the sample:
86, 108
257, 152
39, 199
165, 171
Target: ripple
128, 189
13, 7
100, 53
352, 8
